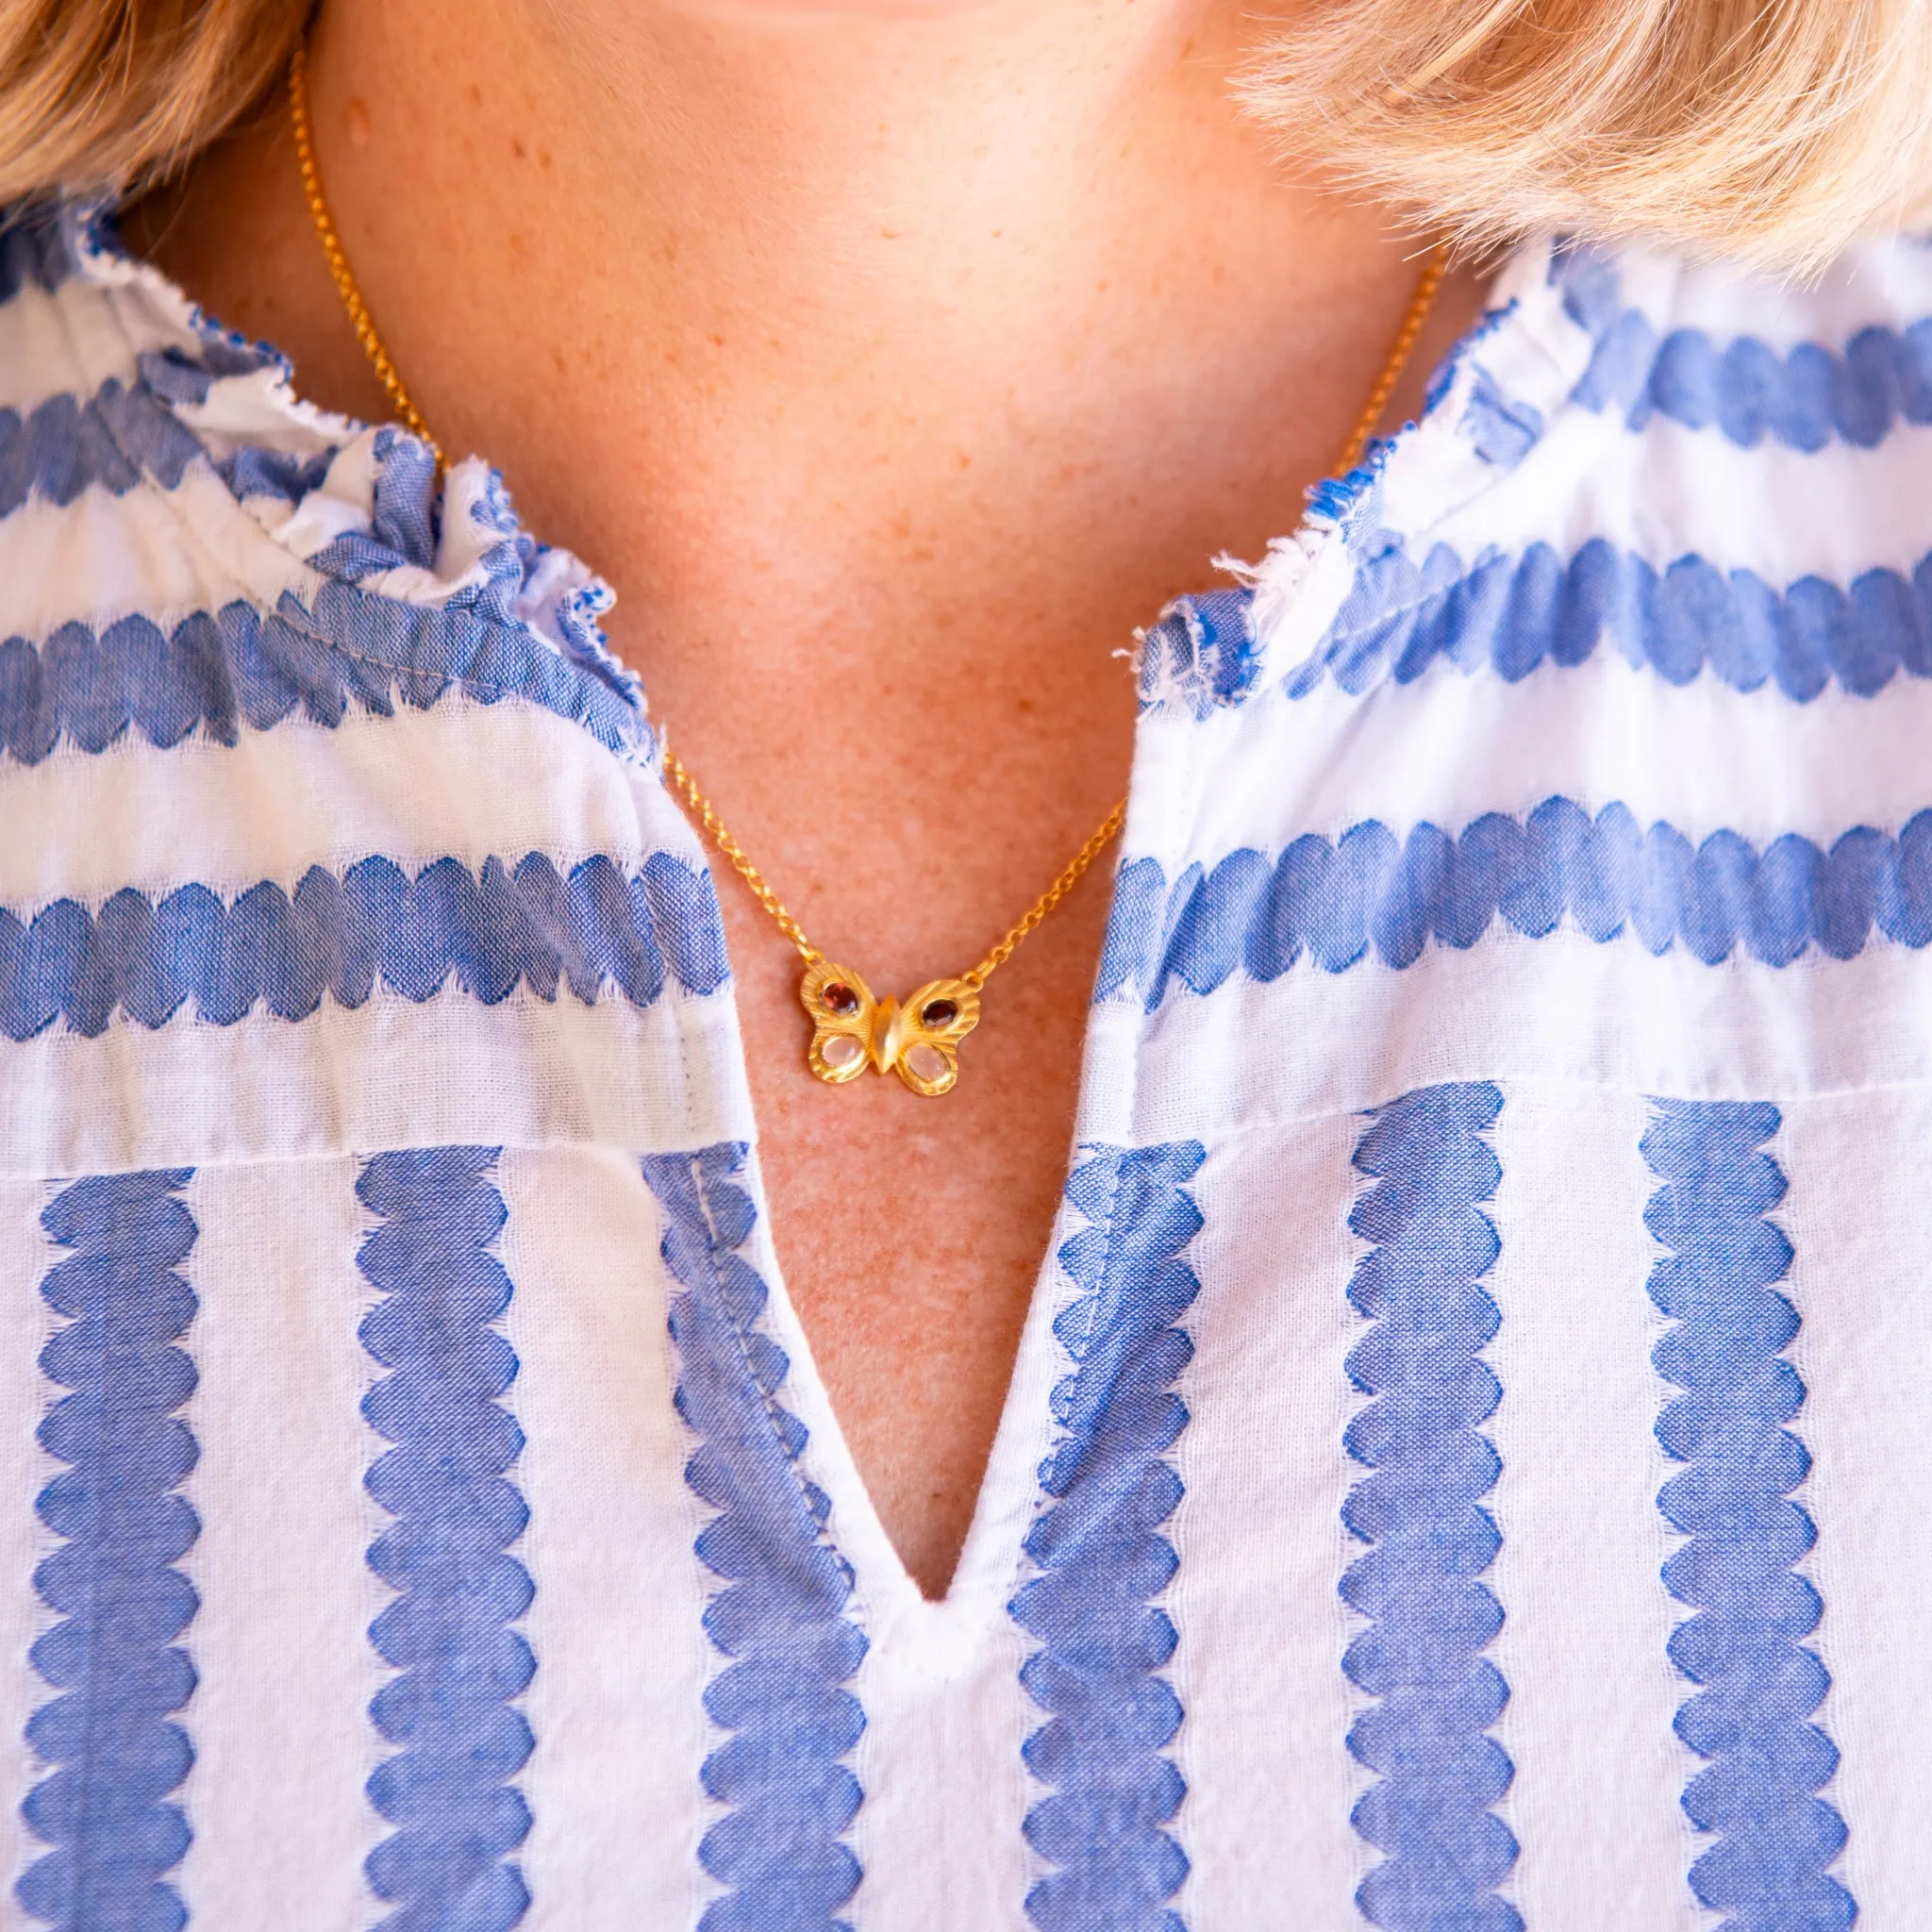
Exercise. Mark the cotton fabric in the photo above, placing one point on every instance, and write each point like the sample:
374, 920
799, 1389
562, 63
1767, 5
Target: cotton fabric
1463, 1467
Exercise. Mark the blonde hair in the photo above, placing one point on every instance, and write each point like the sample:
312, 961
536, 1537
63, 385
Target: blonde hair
1774, 131
1770, 130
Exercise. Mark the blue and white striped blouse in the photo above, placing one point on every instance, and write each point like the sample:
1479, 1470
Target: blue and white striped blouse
1468, 1466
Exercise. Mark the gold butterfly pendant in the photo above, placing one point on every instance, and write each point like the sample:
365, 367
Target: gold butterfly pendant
919, 1041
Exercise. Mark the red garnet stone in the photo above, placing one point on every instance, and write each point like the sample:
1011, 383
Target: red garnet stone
839, 998
937, 1013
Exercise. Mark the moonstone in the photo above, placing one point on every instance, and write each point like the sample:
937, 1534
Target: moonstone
928, 1062
839, 1052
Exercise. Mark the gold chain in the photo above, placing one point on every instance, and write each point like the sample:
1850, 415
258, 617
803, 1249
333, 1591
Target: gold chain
339, 260
674, 767
1420, 304
679, 775
1050, 898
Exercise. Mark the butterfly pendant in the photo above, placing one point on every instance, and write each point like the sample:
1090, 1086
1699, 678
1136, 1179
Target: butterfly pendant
919, 1041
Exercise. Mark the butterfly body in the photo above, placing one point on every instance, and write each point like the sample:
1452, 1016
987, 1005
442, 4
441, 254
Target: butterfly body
853, 1030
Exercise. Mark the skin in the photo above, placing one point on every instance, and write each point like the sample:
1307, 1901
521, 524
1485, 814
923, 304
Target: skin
895, 363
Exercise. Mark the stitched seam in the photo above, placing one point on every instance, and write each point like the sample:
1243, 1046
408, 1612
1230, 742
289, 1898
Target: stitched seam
787, 1653
770, 1406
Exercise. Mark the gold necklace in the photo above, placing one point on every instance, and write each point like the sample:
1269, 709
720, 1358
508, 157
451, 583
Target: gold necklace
851, 1029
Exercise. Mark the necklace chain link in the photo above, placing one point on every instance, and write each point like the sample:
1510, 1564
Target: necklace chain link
674, 767
741, 860
346, 285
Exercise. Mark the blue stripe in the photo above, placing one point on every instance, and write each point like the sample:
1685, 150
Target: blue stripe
126, 432
120, 435
42, 245
1369, 893
1503, 429
1422, 1513
490, 933
35, 250
1499, 427
406, 515
781, 1617
350, 648
215, 671
450, 1631
1102, 1559
1511, 613
1203, 652
1737, 1391
113, 1750
1802, 399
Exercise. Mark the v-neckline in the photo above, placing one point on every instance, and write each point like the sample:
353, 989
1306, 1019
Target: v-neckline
1008, 1494
1005, 1499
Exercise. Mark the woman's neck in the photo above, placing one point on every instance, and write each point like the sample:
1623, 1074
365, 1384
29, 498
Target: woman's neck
862, 303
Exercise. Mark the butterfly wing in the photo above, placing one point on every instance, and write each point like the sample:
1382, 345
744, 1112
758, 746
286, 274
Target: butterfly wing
844, 1014
923, 1045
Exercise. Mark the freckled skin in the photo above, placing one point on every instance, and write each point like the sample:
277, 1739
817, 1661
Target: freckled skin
895, 361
